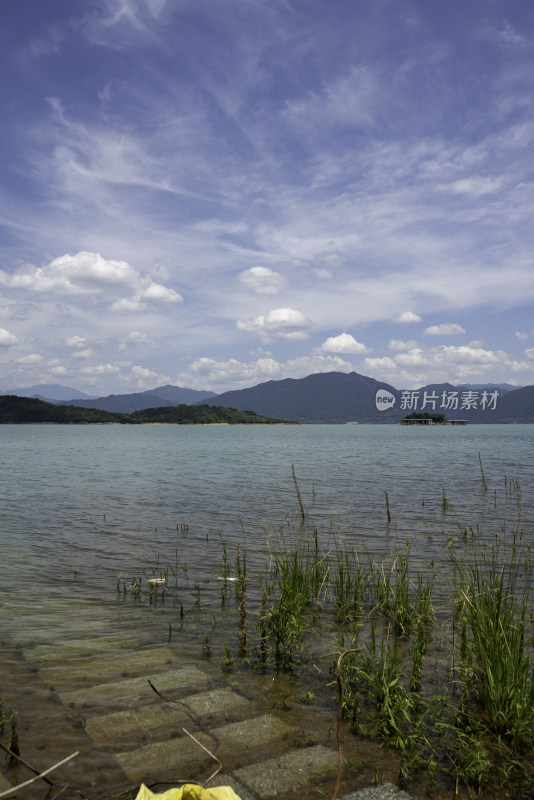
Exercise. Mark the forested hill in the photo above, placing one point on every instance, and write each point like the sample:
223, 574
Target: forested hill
27, 410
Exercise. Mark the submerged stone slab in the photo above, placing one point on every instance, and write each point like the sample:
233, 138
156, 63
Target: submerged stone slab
288, 772
177, 758
73, 648
251, 733
26, 629
385, 791
133, 690
161, 715
116, 664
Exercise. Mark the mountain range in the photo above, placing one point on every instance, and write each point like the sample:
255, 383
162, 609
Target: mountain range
332, 397
114, 403
338, 397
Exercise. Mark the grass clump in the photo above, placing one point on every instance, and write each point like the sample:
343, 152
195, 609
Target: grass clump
443, 675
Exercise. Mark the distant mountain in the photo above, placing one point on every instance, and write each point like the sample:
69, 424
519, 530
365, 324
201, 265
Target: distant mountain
28, 410
179, 395
332, 397
327, 397
153, 398
338, 397
502, 387
516, 406
48, 391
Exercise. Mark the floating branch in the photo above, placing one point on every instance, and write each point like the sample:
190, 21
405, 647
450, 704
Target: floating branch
219, 768
29, 766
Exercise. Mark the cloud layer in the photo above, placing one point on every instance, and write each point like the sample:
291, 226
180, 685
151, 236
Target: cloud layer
184, 183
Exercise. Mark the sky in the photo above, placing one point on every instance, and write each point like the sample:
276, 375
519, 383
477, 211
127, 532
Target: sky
217, 194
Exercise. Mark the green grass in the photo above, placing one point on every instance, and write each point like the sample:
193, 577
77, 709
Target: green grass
445, 674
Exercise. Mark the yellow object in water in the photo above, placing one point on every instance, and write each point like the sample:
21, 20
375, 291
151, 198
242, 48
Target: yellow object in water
189, 791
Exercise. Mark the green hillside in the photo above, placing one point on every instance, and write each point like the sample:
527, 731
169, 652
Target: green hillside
199, 415
20, 410
28, 410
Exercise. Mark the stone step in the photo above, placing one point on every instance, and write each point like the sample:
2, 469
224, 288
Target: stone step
384, 791
132, 691
163, 716
177, 758
117, 664
48, 654
30, 628
285, 773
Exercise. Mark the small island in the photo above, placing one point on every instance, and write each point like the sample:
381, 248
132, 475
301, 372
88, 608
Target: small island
16, 410
424, 418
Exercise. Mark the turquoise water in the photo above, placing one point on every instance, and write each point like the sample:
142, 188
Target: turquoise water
83, 505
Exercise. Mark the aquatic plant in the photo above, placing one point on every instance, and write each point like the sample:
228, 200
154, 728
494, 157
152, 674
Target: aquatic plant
447, 685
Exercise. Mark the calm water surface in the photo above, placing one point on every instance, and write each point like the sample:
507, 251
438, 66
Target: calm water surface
86, 498
84, 504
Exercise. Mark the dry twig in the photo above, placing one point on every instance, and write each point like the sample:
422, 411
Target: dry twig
37, 777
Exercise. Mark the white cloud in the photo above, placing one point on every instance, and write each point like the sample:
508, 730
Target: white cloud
101, 369
59, 371
444, 329
343, 344
7, 339
262, 280
221, 376
146, 377
406, 318
129, 13
31, 359
154, 293
75, 341
81, 274
445, 363
127, 304
136, 339
399, 345
279, 323
323, 274
521, 335
229, 373
530, 352
350, 99
379, 363
509, 35
80, 354
476, 186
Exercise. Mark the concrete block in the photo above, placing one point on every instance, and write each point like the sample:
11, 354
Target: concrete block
132, 690
384, 791
288, 772
116, 664
179, 758
161, 715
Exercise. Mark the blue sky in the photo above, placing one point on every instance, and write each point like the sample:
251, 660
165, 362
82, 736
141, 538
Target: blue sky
218, 194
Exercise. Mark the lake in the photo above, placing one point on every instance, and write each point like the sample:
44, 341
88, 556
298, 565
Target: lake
86, 510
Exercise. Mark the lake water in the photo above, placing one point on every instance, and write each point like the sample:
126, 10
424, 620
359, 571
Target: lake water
82, 505
87, 498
